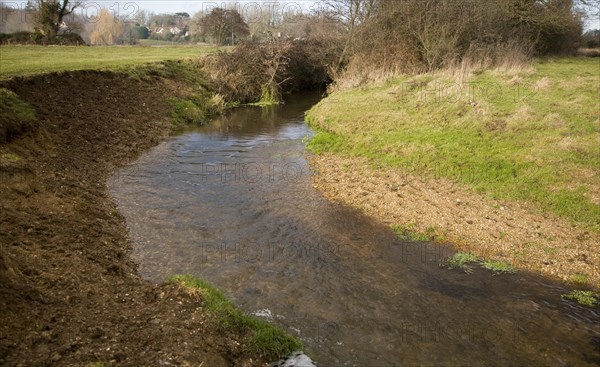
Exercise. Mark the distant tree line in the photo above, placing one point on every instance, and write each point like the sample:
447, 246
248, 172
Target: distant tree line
430, 34
398, 35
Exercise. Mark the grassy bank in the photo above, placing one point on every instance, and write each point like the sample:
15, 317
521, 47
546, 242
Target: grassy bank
526, 135
29, 60
266, 340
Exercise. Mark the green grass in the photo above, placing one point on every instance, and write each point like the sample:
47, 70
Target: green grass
266, 340
189, 111
28, 60
196, 102
11, 104
9, 157
461, 261
151, 42
16, 116
497, 266
536, 142
464, 261
579, 278
585, 298
267, 98
409, 233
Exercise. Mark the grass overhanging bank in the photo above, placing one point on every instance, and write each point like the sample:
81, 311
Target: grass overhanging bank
503, 161
69, 292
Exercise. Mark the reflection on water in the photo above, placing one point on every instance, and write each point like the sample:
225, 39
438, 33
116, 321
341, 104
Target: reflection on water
234, 204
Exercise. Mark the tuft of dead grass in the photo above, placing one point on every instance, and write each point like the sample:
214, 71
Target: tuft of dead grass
543, 84
589, 52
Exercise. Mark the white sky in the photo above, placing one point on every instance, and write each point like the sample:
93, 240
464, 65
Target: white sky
193, 6
129, 8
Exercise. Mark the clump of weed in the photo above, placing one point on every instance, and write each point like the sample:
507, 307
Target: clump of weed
409, 233
579, 278
498, 266
266, 340
267, 98
194, 110
585, 298
462, 261
9, 157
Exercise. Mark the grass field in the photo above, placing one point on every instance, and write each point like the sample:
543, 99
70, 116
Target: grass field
529, 135
28, 60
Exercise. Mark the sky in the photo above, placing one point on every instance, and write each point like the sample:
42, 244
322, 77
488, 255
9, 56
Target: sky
167, 6
248, 8
193, 6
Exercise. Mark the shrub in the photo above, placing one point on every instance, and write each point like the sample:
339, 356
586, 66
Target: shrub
263, 72
413, 36
34, 38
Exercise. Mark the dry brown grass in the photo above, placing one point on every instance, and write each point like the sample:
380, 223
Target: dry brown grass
589, 52
511, 59
542, 84
359, 73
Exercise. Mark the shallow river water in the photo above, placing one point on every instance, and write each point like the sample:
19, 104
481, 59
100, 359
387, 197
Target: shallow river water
233, 203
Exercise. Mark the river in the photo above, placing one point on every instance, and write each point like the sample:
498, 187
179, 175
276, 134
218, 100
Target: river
233, 203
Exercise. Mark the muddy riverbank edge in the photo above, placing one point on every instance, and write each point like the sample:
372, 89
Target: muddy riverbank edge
69, 292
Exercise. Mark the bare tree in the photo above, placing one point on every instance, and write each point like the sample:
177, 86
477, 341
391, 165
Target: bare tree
50, 15
351, 13
108, 30
221, 23
275, 63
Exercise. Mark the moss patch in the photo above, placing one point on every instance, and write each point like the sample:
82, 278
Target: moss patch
16, 116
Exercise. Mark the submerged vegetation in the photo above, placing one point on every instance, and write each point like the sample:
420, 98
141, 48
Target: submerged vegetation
585, 298
461, 261
265, 340
464, 260
409, 233
497, 266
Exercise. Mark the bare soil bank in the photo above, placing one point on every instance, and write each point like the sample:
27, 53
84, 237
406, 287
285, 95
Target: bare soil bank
69, 292
494, 229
